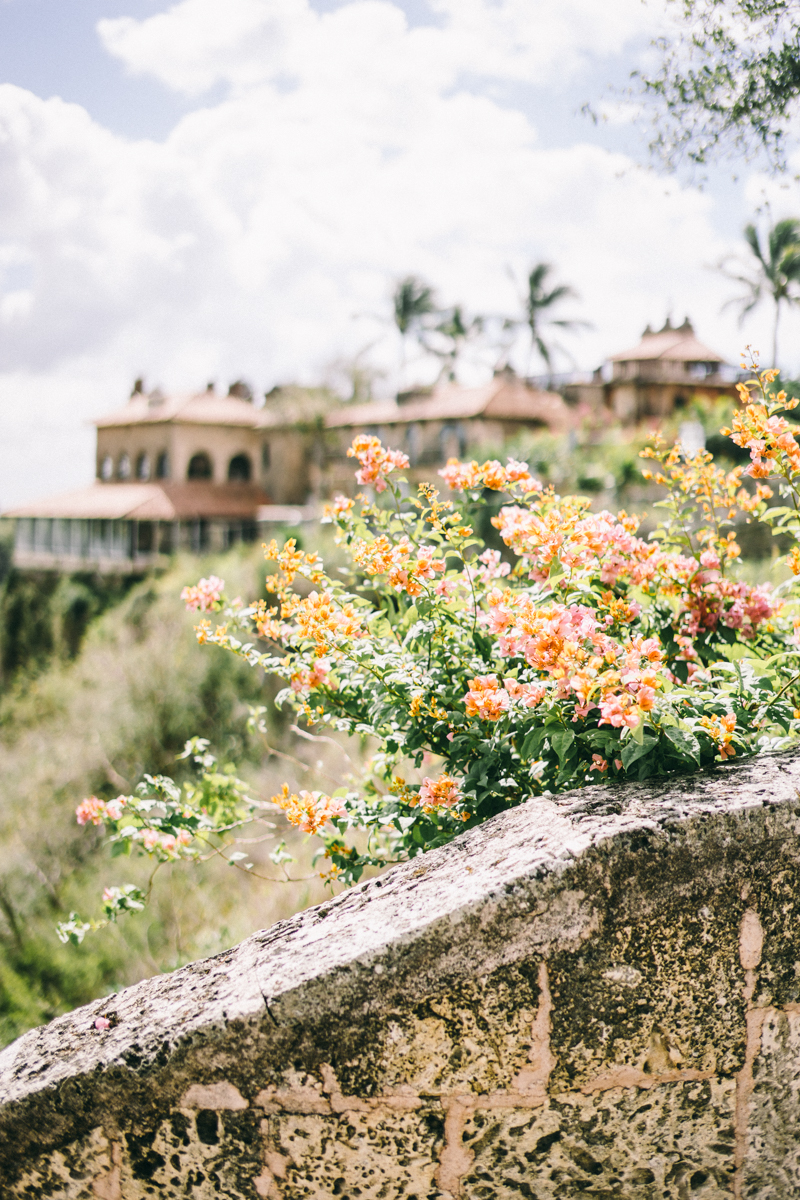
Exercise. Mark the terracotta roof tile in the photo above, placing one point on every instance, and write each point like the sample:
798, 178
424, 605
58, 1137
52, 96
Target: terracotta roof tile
150, 502
672, 345
502, 399
201, 408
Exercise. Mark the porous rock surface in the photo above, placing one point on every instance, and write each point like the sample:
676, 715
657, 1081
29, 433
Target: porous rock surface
595, 995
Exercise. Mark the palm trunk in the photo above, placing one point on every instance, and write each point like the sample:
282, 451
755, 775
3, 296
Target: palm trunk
775, 334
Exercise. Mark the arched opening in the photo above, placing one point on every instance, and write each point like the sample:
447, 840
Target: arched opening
162, 465
143, 466
124, 466
200, 467
240, 469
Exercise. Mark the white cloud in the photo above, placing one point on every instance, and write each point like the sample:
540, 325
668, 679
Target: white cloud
262, 236
189, 48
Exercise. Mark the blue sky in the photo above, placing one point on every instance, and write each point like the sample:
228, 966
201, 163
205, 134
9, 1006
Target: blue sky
197, 191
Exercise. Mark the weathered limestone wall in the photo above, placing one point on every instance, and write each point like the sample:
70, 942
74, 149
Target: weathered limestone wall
593, 996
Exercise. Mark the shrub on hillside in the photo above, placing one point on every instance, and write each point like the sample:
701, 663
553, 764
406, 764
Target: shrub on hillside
582, 652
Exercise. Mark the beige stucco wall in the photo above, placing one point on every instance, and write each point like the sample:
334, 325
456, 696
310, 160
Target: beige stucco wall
594, 995
428, 444
220, 442
290, 476
286, 479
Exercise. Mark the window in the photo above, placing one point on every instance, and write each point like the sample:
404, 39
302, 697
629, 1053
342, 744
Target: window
162, 465
239, 469
106, 468
200, 467
144, 537
412, 444
143, 466
124, 466
265, 456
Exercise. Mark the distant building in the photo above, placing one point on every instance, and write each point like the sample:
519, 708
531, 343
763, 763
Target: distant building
434, 424
192, 472
664, 372
202, 471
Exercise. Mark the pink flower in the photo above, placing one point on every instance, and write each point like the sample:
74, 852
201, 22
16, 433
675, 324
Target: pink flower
310, 810
486, 698
102, 1023
376, 462
114, 808
149, 838
204, 595
92, 809
614, 712
439, 793
493, 567
529, 694
445, 587
598, 763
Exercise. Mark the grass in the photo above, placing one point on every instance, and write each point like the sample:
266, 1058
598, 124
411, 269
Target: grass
139, 687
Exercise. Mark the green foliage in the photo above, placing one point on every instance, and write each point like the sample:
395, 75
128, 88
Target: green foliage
542, 297
773, 272
414, 303
595, 653
136, 691
45, 615
728, 81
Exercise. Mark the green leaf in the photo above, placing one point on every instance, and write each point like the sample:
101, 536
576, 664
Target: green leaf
684, 742
379, 627
532, 746
561, 742
633, 750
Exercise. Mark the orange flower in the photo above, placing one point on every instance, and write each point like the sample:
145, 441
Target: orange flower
309, 810
443, 792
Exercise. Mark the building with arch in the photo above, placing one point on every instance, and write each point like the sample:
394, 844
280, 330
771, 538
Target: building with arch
664, 372
434, 424
194, 472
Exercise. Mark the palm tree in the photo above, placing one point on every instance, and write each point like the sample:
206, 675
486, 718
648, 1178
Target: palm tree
455, 329
775, 273
414, 304
540, 298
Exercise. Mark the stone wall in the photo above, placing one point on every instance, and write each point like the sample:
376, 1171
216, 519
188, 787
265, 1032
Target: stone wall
592, 996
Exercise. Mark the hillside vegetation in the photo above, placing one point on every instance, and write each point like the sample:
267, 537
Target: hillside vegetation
78, 718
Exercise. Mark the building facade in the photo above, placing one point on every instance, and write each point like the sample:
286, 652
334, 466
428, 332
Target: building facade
435, 424
197, 472
668, 369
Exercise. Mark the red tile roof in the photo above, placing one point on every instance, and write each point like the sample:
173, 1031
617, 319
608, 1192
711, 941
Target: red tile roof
284, 407
502, 399
151, 502
201, 408
670, 345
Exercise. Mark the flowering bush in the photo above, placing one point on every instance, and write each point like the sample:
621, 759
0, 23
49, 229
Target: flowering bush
585, 650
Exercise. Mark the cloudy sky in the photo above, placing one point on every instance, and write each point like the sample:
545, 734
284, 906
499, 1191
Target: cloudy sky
201, 191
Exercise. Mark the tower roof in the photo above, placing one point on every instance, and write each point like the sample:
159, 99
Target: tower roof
197, 408
670, 345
